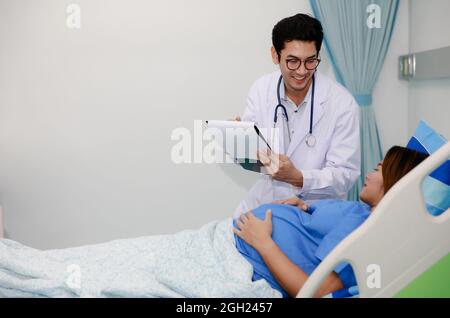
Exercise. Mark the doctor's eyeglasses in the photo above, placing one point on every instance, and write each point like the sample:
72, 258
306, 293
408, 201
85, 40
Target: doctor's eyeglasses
310, 63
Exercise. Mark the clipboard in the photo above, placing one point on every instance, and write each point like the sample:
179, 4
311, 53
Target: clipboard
242, 129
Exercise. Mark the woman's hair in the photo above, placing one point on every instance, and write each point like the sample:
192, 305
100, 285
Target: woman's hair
397, 163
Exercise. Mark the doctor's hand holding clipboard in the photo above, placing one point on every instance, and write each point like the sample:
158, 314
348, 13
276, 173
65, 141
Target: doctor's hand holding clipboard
280, 167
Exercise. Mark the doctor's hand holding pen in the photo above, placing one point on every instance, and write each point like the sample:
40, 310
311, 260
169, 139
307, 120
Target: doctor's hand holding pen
295, 201
280, 167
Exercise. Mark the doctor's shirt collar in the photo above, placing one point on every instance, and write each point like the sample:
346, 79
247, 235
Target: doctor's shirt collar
285, 98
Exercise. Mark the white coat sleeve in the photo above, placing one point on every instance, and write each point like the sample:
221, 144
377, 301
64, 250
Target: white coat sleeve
343, 160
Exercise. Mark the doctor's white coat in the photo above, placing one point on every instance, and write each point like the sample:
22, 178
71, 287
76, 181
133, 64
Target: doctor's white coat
332, 166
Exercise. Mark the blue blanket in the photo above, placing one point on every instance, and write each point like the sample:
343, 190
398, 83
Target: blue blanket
191, 263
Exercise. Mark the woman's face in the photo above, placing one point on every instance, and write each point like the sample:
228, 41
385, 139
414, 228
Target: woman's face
373, 189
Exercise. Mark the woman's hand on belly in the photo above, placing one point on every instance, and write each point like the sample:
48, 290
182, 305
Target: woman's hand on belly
254, 231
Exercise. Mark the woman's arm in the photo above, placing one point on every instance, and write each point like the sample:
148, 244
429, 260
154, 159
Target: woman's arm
290, 276
258, 233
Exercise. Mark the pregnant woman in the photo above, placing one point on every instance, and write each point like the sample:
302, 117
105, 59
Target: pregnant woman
271, 254
285, 244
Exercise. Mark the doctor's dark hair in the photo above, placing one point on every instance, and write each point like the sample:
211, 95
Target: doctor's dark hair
298, 27
397, 163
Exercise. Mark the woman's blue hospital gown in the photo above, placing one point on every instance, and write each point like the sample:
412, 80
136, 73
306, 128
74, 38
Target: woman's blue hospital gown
307, 237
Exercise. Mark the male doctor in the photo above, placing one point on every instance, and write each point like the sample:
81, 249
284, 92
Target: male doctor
318, 156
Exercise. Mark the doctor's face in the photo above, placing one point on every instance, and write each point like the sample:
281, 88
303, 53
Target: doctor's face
294, 53
373, 190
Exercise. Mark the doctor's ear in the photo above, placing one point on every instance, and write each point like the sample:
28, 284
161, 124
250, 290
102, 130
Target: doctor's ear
275, 57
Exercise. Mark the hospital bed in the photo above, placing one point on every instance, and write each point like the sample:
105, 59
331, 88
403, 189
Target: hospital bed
401, 239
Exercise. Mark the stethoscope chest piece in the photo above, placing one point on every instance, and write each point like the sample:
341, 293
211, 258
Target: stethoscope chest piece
310, 140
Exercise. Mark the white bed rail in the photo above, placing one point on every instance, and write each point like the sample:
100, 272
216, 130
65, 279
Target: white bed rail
401, 239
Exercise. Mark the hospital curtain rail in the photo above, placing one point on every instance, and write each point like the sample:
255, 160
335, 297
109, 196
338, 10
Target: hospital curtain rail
357, 52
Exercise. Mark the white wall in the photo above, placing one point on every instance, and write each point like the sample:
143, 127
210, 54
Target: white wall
86, 115
429, 99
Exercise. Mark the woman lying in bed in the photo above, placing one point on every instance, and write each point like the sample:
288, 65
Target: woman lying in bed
285, 243
282, 246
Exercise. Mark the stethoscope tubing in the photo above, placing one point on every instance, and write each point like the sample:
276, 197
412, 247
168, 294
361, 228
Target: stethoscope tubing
283, 108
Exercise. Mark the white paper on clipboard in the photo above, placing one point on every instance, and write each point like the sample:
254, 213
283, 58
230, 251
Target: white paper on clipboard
241, 141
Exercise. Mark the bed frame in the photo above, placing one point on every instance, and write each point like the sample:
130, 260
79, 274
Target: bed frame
397, 243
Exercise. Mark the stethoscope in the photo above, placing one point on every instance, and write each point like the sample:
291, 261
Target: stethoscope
310, 139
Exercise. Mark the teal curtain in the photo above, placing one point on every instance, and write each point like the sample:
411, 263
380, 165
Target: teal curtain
357, 54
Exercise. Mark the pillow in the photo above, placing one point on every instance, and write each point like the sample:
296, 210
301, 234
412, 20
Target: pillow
436, 186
